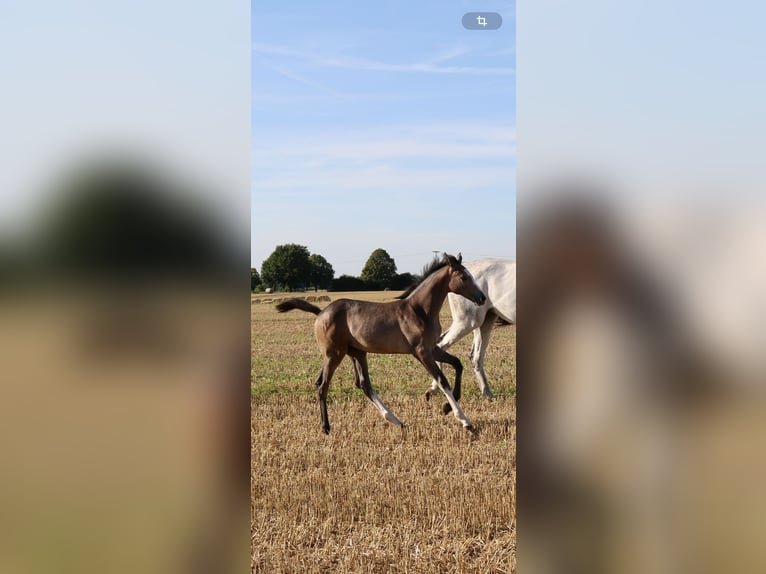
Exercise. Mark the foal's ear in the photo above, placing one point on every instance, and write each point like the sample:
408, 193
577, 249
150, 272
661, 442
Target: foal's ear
460, 258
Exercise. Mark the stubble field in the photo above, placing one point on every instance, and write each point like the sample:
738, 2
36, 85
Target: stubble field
370, 497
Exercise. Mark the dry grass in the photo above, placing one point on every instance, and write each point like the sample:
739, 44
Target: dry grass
371, 497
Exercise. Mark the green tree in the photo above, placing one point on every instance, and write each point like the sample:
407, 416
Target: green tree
321, 271
288, 266
402, 281
255, 279
380, 268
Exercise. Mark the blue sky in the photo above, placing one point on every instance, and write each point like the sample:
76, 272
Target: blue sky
382, 126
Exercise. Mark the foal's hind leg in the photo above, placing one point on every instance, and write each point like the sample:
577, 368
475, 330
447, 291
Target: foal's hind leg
323, 384
360, 365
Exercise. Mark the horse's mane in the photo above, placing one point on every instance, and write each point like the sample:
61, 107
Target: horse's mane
428, 269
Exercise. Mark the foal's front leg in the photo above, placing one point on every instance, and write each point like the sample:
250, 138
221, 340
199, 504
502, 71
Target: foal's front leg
426, 357
443, 356
457, 331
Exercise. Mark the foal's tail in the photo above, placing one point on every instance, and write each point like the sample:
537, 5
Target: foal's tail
301, 304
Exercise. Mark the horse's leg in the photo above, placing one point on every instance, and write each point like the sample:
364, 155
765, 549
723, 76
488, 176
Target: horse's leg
360, 365
444, 357
478, 352
457, 331
357, 372
426, 357
323, 384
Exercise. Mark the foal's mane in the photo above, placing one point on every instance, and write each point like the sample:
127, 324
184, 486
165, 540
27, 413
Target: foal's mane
429, 269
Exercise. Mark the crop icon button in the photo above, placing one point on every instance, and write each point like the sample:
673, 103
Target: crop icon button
482, 20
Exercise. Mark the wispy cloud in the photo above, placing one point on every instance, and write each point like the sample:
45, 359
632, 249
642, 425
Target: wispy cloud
450, 54
426, 158
437, 142
383, 178
290, 74
352, 63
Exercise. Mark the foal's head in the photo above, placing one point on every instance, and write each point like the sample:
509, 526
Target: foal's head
461, 281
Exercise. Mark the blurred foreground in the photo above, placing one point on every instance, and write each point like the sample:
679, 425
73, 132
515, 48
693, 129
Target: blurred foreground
125, 380
642, 403
124, 234
642, 281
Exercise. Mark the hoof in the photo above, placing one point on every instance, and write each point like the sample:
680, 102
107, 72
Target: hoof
469, 428
446, 408
428, 396
392, 419
326, 430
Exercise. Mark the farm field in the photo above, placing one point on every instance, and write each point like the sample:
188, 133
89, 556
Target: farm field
371, 497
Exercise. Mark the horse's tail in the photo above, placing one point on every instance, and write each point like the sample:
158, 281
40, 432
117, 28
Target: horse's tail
301, 304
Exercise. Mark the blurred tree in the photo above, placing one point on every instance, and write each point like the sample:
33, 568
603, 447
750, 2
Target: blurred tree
321, 271
380, 269
122, 221
287, 266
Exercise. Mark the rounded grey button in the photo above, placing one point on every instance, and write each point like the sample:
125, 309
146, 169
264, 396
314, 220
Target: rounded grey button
482, 20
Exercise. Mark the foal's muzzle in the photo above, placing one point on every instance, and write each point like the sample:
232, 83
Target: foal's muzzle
480, 300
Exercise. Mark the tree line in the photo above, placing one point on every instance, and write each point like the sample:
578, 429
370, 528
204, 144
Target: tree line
292, 267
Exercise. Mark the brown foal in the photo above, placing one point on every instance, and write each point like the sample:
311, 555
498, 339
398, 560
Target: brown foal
408, 326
